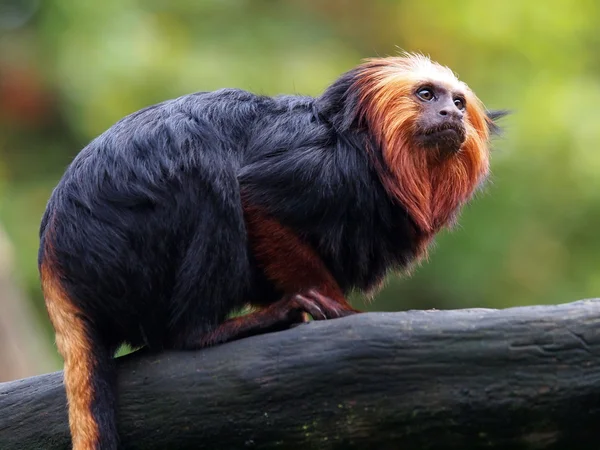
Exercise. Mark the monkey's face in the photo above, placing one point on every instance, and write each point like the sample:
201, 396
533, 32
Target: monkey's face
417, 111
440, 125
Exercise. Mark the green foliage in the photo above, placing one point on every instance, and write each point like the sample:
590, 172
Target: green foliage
530, 237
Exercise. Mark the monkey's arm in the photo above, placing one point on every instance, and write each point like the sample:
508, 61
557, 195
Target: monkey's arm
305, 191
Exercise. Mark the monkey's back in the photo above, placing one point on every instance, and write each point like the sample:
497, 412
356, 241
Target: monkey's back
146, 226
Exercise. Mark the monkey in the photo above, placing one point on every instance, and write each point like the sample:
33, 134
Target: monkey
187, 210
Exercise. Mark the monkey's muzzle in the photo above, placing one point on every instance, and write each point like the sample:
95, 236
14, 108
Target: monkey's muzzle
447, 136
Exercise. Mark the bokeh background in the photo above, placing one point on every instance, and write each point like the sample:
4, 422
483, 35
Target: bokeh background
71, 68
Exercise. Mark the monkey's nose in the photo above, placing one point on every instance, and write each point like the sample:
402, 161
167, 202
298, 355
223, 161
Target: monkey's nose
450, 112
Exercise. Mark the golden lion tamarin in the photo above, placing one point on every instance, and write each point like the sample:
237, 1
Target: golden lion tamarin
189, 209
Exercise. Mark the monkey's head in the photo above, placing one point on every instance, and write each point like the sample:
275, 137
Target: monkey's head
432, 133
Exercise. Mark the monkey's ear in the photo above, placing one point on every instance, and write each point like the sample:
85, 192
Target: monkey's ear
493, 117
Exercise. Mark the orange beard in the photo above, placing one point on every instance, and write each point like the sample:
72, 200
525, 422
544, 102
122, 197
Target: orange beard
431, 187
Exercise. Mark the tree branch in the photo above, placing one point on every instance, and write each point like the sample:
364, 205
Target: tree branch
519, 378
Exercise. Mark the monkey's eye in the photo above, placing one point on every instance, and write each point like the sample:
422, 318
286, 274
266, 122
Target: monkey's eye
459, 103
425, 94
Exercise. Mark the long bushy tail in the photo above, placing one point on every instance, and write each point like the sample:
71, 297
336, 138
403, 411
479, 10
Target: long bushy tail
89, 370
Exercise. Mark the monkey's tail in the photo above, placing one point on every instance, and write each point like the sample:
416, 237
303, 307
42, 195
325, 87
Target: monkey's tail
89, 369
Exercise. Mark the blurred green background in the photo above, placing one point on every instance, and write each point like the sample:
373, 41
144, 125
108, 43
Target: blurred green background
71, 68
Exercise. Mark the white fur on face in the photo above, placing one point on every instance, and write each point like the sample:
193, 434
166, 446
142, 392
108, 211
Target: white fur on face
421, 69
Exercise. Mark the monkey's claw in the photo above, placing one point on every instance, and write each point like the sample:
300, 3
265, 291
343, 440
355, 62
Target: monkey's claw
328, 308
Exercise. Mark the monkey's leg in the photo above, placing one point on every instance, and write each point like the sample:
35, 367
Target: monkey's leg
293, 265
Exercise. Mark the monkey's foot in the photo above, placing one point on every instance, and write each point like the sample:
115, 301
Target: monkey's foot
280, 315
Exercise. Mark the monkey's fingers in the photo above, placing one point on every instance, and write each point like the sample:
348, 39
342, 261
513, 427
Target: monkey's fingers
301, 303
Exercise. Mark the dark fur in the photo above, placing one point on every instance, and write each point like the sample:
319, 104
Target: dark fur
148, 228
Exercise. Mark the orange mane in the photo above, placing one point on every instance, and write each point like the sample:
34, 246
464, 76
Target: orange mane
431, 188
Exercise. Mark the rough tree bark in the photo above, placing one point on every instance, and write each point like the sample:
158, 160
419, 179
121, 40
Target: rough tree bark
520, 378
